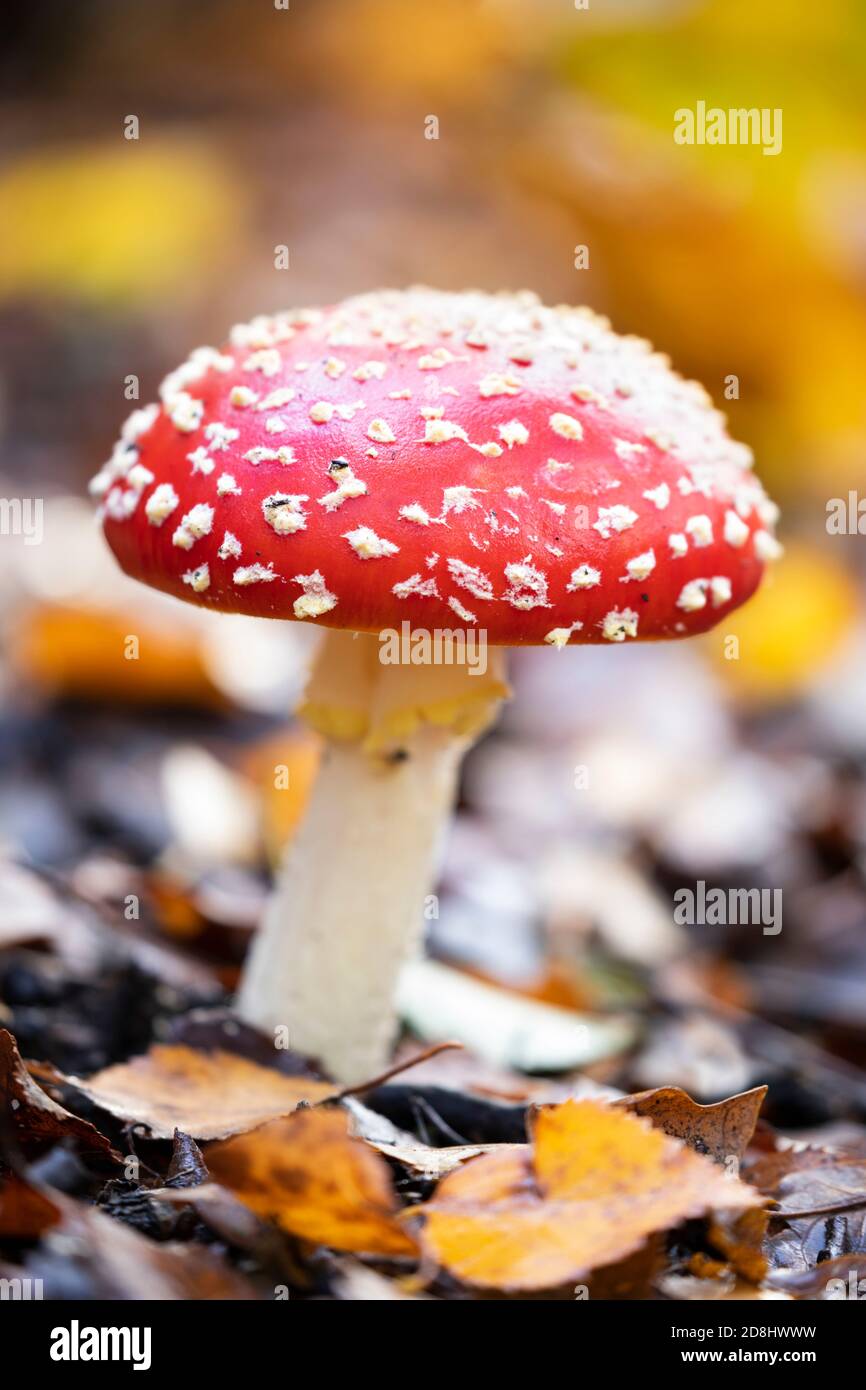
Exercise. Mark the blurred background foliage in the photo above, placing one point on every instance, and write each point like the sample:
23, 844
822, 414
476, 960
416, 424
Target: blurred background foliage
260, 126
305, 126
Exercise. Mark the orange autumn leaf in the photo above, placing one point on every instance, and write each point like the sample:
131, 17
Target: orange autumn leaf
79, 652
208, 1095
594, 1184
315, 1181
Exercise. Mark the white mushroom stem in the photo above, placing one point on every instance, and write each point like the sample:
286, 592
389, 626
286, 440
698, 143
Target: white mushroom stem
349, 905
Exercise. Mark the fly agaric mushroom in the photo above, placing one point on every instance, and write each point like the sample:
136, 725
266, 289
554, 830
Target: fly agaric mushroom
455, 462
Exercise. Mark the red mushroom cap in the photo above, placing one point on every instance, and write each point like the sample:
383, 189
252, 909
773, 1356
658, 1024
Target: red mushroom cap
443, 459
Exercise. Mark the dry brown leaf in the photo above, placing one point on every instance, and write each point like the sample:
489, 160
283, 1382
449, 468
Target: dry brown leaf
208, 1095
229, 1217
722, 1131
37, 1121
842, 1277
310, 1176
771, 1172
818, 1189
25, 1211
121, 1264
631, 1278
594, 1185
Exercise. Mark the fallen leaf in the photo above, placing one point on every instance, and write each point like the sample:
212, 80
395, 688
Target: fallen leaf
432, 1164
631, 1278
111, 1261
828, 1185
805, 1179
234, 1222
722, 1131
25, 1211
802, 1245
309, 1175
77, 652
216, 1029
844, 1138
769, 1170
37, 1121
187, 1167
847, 1270
207, 1095
594, 1184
